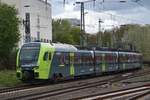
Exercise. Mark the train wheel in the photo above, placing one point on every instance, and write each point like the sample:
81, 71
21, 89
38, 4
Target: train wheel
57, 77
60, 76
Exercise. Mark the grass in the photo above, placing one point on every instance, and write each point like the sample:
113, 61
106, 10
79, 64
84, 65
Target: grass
8, 78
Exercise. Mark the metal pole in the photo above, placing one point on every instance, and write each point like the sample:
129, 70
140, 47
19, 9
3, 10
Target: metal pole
83, 38
114, 38
94, 62
38, 27
83, 18
64, 2
99, 36
82, 25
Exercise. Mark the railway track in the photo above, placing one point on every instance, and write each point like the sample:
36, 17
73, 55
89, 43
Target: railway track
27, 86
49, 93
22, 87
53, 92
120, 94
140, 96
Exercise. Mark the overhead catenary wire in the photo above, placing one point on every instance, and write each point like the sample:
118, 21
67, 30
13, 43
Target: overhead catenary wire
117, 19
99, 2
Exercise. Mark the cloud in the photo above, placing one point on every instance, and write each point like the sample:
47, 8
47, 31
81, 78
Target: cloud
91, 19
112, 14
68, 7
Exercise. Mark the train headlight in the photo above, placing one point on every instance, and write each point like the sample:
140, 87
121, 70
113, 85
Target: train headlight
30, 65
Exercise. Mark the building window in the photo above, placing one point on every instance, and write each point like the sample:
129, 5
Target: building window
44, 40
41, 40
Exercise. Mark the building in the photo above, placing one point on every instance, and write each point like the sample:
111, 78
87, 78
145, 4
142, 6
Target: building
36, 19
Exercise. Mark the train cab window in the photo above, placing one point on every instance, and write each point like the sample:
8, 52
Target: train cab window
45, 58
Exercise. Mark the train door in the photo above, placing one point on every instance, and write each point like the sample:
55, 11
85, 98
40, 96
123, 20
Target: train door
45, 65
87, 62
109, 59
60, 65
72, 70
122, 61
64, 65
97, 62
104, 62
100, 62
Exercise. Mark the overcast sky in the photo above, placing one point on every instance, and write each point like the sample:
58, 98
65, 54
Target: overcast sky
112, 12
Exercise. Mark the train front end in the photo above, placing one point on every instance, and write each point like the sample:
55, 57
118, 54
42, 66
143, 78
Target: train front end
34, 61
27, 61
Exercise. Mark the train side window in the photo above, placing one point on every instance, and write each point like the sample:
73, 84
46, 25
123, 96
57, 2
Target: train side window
66, 58
45, 56
62, 58
77, 58
98, 58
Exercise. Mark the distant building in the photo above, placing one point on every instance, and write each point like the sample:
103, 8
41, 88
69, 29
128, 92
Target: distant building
39, 14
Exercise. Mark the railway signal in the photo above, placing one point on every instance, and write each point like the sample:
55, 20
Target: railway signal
26, 23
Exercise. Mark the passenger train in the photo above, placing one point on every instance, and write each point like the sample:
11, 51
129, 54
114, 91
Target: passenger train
53, 61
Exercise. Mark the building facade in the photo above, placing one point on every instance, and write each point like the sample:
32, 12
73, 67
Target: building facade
36, 19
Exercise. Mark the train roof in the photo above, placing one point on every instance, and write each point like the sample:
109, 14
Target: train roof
135, 53
71, 48
64, 47
105, 49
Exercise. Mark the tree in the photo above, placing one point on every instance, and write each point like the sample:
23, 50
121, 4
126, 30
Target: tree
9, 32
120, 32
139, 36
75, 33
65, 33
135, 35
106, 39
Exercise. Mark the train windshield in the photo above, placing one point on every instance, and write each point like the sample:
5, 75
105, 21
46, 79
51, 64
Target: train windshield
29, 55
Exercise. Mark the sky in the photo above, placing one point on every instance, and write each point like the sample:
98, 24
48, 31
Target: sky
112, 12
